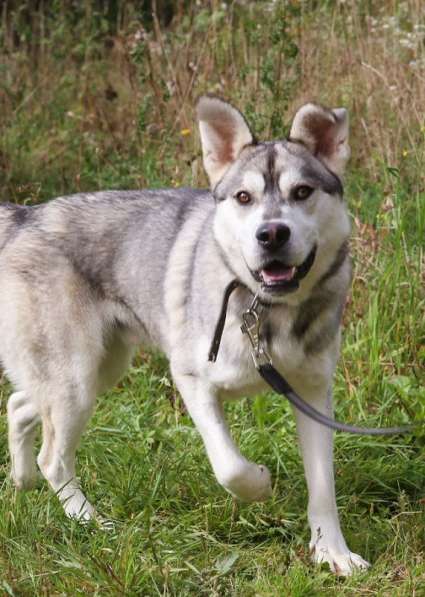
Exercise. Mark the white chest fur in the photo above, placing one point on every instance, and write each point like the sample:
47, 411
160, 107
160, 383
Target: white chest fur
234, 374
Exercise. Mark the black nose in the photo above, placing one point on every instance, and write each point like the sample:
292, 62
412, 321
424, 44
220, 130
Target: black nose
272, 236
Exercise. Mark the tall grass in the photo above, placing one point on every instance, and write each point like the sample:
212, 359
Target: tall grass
101, 95
93, 98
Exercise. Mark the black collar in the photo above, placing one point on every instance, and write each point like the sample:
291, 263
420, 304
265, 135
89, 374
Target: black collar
219, 326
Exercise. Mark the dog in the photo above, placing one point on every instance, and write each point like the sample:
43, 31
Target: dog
86, 279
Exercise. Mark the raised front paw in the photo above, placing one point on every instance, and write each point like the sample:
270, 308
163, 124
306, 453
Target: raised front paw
343, 563
248, 482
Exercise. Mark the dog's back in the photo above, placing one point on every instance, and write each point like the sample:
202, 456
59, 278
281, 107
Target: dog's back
91, 262
94, 231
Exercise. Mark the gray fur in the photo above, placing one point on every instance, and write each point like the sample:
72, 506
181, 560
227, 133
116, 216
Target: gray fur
325, 302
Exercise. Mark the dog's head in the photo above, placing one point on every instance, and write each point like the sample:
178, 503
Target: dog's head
280, 216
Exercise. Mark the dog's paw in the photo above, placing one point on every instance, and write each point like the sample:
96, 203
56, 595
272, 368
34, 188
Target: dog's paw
249, 483
342, 564
78, 508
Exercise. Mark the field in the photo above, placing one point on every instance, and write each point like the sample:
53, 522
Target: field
99, 95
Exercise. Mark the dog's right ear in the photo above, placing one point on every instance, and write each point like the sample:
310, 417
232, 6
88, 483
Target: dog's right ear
224, 133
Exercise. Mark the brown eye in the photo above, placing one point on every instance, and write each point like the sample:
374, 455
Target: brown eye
302, 192
243, 197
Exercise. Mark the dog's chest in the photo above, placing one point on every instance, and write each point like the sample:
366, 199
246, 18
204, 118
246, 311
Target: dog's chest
234, 373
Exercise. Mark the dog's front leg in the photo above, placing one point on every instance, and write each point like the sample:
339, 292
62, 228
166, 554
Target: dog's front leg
243, 479
327, 542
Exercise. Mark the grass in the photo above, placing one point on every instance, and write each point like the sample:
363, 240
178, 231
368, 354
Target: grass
93, 98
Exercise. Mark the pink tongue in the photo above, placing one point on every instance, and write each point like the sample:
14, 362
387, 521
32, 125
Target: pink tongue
271, 276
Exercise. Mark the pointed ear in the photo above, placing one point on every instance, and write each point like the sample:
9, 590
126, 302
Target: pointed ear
325, 133
224, 133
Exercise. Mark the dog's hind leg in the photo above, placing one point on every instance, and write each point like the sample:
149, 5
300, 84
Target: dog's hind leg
23, 419
63, 421
52, 343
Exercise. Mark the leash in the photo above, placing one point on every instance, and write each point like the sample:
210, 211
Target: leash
251, 326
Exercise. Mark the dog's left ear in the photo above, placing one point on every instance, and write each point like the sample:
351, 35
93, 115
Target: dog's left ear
224, 133
325, 133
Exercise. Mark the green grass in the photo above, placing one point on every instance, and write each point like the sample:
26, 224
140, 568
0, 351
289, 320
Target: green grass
141, 462
178, 533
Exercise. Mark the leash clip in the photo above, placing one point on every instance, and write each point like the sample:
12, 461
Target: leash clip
252, 319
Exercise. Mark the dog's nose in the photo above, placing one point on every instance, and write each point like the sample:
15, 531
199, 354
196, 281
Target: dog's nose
273, 235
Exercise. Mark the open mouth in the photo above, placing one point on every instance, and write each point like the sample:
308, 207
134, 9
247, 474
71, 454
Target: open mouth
276, 276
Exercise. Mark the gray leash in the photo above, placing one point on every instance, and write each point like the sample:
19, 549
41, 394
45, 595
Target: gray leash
252, 319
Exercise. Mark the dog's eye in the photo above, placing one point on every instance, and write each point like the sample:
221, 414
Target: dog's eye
243, 197
302, 192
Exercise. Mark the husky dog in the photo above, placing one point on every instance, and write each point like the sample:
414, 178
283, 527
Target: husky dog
86, 279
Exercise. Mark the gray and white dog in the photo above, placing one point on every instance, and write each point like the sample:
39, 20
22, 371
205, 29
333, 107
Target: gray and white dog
86, 279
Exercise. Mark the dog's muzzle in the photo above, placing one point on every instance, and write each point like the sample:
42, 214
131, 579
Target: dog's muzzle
277, 277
